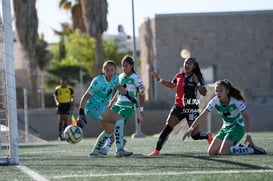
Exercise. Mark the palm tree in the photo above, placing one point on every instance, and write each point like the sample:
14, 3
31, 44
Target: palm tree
95, 16
76, 11
27, 28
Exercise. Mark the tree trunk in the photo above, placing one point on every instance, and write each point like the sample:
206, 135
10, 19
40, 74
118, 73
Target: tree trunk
26, 20
99, 54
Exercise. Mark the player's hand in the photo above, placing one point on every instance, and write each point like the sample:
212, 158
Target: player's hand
155, 75
195, 78
188, 133
249, 140
141, 116
81, 121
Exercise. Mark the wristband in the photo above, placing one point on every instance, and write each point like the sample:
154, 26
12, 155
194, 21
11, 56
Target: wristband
141, 109
160, 80
198, 84
248, 134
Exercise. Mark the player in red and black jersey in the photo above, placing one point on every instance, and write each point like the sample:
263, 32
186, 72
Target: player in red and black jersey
187, 83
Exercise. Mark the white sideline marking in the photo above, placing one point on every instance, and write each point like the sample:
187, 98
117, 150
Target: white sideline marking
166, 173
32, 174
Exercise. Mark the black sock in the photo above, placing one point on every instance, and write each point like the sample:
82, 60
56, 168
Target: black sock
200, 136
163, 137
60, 129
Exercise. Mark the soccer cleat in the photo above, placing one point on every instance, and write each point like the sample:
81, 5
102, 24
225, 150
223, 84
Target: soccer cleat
123, 153
97, 155
124, 142
104, 151
210, 138
154, 153
258, 150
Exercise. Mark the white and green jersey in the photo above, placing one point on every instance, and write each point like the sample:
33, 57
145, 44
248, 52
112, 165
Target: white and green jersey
133, 84
230, 113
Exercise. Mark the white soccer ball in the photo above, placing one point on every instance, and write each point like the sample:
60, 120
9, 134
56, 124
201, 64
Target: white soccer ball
73, 134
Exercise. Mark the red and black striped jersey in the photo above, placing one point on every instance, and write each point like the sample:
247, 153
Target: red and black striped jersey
186, 90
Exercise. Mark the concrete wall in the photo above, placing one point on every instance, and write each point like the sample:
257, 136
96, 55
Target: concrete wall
45, 125
238, 45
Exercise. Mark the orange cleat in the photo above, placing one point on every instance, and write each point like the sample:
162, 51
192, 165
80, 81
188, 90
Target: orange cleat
210, 138
154, 153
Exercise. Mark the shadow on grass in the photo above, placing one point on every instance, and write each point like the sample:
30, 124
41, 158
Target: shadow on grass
216, 159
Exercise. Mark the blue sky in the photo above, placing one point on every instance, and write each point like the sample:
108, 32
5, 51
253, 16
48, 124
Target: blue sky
120, 12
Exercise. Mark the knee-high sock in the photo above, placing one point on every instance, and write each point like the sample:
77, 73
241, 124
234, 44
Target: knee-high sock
60, 128
163, 137
108, 143
100, 142
119, 128
240, 150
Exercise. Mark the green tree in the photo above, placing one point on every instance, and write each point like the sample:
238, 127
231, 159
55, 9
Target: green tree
80, 55
42, 53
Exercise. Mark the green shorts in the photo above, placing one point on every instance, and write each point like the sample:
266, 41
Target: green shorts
95, 111
125, 112
232, 133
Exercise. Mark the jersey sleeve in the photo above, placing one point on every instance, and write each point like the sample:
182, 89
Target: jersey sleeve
139, 84
241, 106
210, 106
71, 91
94, 86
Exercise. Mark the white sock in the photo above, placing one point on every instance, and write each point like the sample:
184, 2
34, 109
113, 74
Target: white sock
119, 134
100, 142
108, 143
240, 150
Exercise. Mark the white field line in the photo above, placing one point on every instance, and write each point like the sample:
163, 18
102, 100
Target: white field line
166, 173
36, 176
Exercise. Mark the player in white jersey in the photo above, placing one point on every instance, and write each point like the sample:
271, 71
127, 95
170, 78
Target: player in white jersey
94, 103
229, 103
120, 103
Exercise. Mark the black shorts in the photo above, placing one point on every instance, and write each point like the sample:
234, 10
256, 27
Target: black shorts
190, 113
64, 108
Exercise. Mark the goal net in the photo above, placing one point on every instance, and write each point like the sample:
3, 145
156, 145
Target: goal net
9, 153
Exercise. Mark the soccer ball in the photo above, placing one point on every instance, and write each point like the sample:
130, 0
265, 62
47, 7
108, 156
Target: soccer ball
73, 134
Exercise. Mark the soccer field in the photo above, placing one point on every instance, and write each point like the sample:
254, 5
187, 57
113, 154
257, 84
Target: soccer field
179, 160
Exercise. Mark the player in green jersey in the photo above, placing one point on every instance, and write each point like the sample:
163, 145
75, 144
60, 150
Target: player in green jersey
120, 103
229, 103
94, 103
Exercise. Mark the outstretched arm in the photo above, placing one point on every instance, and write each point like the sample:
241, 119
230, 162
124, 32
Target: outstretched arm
197, 121
163, 82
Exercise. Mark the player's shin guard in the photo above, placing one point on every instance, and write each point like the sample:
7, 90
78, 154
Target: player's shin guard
119, 128
100, 142
163, 137
240, 150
